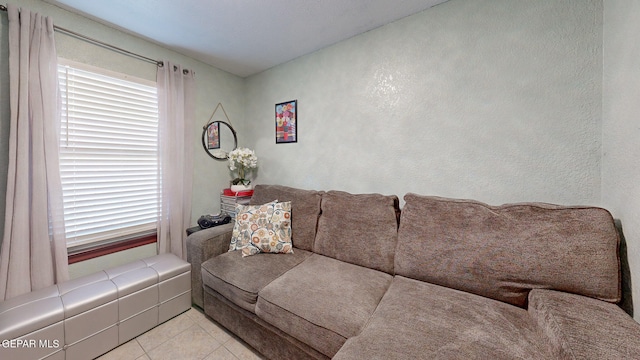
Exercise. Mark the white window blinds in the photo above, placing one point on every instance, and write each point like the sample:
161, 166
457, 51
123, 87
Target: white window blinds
108, 156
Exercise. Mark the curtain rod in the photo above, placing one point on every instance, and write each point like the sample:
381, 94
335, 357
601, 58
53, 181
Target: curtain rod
100, 43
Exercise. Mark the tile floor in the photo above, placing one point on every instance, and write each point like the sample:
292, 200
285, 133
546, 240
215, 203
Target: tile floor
190, 335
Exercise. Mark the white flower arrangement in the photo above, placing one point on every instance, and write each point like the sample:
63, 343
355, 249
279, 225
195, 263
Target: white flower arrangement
242, 159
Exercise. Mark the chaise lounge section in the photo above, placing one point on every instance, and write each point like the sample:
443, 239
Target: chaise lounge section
443, 278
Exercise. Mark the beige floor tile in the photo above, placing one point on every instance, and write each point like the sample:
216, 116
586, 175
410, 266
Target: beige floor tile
164, 332
221, 353
193, 343
192, 313
210, 326
191, 335
241, 350
128, 351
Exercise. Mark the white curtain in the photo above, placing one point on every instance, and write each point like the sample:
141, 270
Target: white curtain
176, 100
34, 252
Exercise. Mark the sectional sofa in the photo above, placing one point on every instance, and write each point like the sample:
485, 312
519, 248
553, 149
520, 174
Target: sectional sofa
441, 279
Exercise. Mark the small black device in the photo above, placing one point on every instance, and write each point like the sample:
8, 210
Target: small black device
207, 221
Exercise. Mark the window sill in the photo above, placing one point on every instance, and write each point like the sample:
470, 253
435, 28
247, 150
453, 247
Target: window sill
111, 248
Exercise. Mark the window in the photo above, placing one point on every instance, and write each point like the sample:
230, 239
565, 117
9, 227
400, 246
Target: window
108, 155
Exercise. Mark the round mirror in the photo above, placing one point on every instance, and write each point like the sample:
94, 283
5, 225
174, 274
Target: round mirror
219, 139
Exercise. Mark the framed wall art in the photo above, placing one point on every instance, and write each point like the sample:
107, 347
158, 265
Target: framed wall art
287, 122
213, 136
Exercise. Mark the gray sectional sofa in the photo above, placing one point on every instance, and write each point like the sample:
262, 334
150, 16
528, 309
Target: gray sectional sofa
443, 278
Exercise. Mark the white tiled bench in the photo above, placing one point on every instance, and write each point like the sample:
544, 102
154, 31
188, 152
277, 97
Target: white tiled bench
88, 316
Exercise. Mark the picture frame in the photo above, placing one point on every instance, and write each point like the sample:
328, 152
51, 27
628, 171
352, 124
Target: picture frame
287, 122
213, 136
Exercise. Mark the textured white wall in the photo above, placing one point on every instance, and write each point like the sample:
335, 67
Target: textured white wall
498, 101
494, 100
621, 127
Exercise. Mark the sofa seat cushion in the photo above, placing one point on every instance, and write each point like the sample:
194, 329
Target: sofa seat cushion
503, 252
323, 301
239, 279
417, 320
583, 328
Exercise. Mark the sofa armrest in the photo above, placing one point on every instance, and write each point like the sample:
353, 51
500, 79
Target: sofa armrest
579, 327
202, 246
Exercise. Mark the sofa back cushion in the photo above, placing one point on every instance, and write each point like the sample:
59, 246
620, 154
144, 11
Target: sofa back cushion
359, 229
305, 209
503, 252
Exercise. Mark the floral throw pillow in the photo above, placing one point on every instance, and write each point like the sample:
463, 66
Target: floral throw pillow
244, 213
270, 233
263, 228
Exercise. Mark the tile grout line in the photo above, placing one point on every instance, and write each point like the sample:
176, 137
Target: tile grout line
195, 317
195, 323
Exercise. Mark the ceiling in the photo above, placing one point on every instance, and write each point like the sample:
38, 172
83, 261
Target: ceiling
245, 37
